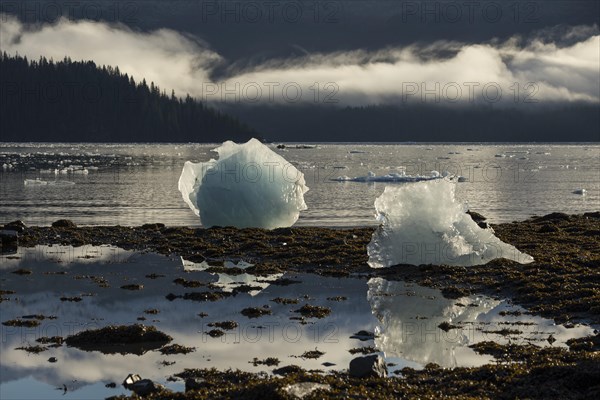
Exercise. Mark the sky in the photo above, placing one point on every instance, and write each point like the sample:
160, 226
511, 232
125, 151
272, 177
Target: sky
519, 53
273, 62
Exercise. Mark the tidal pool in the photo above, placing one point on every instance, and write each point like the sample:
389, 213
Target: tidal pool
76, 289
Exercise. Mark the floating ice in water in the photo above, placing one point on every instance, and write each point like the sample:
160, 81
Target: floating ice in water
39, 182
580, 191
422, 223
32, 182
248, 186
392, 177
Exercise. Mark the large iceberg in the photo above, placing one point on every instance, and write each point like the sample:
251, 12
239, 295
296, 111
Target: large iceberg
248, 186
423, 223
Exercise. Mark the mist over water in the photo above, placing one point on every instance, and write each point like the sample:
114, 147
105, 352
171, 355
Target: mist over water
137, 183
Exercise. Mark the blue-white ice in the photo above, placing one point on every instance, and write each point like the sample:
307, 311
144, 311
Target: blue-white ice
249, 185
392, 177
423, 223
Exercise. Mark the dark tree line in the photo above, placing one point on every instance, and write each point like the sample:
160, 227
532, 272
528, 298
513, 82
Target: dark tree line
423, 123
51, 101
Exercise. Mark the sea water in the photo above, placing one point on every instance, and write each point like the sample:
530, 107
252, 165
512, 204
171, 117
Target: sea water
133, 184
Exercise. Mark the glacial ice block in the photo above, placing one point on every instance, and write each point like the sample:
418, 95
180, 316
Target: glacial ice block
423, 223
248, 186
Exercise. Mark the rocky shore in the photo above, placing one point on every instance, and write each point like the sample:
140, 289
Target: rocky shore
563, 283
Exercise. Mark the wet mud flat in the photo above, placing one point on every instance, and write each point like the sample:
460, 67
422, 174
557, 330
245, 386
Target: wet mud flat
563, 284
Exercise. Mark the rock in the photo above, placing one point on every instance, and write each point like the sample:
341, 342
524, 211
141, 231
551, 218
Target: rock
453, 292
131, 379
64, 223
475, 216
548, 228
17, 226
194, 384
446, 326
288, 369
363, 367
363, 336
555, 216
9, 240
144, 387
171, 297
255, 312
153, 227
141, 387
310, 311
133, 286
123, 339
303, 389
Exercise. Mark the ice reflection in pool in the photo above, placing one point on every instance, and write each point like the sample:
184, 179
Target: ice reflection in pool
410, 315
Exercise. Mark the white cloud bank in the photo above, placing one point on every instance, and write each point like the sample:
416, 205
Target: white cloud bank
538, 71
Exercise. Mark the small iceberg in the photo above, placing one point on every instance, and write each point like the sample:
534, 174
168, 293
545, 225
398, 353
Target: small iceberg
248, 186
35, 182
39, 182
392, 177
423, 223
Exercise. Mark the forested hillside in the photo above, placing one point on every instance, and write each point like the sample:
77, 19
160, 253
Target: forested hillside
44, 100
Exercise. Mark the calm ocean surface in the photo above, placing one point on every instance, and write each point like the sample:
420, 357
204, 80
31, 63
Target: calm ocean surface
133, 184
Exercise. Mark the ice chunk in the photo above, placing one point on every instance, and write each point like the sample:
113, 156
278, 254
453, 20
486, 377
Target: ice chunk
248, 186
423, 223
38, 182
34, 182
391, 177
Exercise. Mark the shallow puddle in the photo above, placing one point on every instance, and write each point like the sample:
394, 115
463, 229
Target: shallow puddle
92, 287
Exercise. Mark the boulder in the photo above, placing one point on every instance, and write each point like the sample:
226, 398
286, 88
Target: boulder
141, 387
194, 384
17, 226
368, 366
9, 241
64, 223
